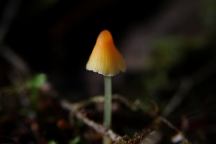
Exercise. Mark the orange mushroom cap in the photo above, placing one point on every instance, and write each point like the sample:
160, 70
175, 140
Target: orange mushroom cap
105, 59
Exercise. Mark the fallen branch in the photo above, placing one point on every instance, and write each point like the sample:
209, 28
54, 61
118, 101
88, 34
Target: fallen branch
187, 84
178, 97
148, 137
74, 108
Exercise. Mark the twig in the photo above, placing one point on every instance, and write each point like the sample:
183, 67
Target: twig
155, 136
15, 60
169, 124
74, 108
176, 100
133, 105
152, 138
8, 14
185, 86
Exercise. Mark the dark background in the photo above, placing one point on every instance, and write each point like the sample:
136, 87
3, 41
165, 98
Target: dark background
57, 37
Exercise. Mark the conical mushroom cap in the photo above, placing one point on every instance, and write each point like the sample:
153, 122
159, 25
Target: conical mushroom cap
105, 59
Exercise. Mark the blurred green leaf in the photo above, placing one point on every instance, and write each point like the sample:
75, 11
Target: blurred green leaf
76, 140
37, 81
52, 142
34, 86
209, 14
171, 49
159, 80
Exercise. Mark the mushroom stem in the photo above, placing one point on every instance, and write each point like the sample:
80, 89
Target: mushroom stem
107, 105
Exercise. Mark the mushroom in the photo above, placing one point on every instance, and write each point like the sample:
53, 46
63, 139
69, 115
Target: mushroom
105, 59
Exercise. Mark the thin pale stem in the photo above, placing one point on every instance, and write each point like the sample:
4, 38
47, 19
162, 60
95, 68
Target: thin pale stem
107, 106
